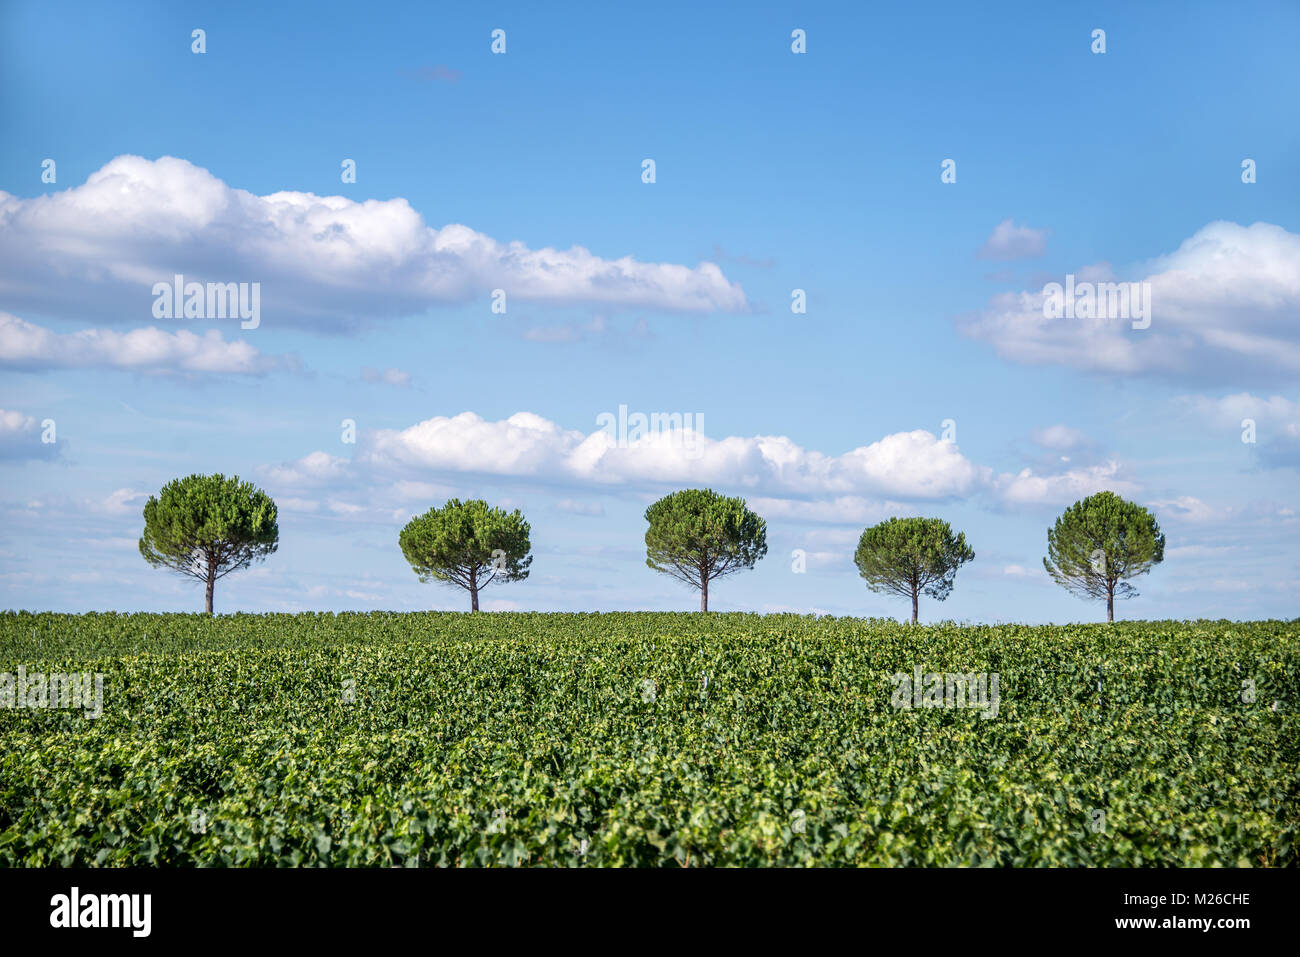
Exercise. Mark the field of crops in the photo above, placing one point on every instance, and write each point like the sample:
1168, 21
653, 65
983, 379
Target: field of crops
647, 739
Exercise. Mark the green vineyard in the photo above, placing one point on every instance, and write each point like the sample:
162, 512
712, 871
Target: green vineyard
432, 740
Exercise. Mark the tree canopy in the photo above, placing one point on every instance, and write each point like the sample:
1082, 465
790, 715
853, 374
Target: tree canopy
1099, 543
909, 556
468, 544
698, 536
207, 526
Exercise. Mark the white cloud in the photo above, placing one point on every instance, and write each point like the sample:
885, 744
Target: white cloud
905, 464
102, 245
894, 476
1189, 508
1229, 410
316, 469
524, 444
14, 423
28, 346
1009, 241
123, 501
1063, 488
1270, 519
20, 437
1059, 437
1225, 306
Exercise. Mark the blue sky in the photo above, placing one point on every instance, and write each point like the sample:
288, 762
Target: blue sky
774, 171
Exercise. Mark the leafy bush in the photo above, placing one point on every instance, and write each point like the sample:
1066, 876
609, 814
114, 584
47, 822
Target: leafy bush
646, 739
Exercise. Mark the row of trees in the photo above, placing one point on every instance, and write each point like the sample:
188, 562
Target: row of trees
207, 526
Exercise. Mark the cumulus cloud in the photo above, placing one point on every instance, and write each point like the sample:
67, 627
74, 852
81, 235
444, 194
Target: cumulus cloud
1225, 307
905, 473
320, 260
24, 345
20, 437
909, 464
1009, 241
15, 423
17, 430
1063, 488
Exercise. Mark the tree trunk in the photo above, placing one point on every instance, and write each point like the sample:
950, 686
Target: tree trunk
473, 589
704, 595
212, 582
914, 604
1110, 602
